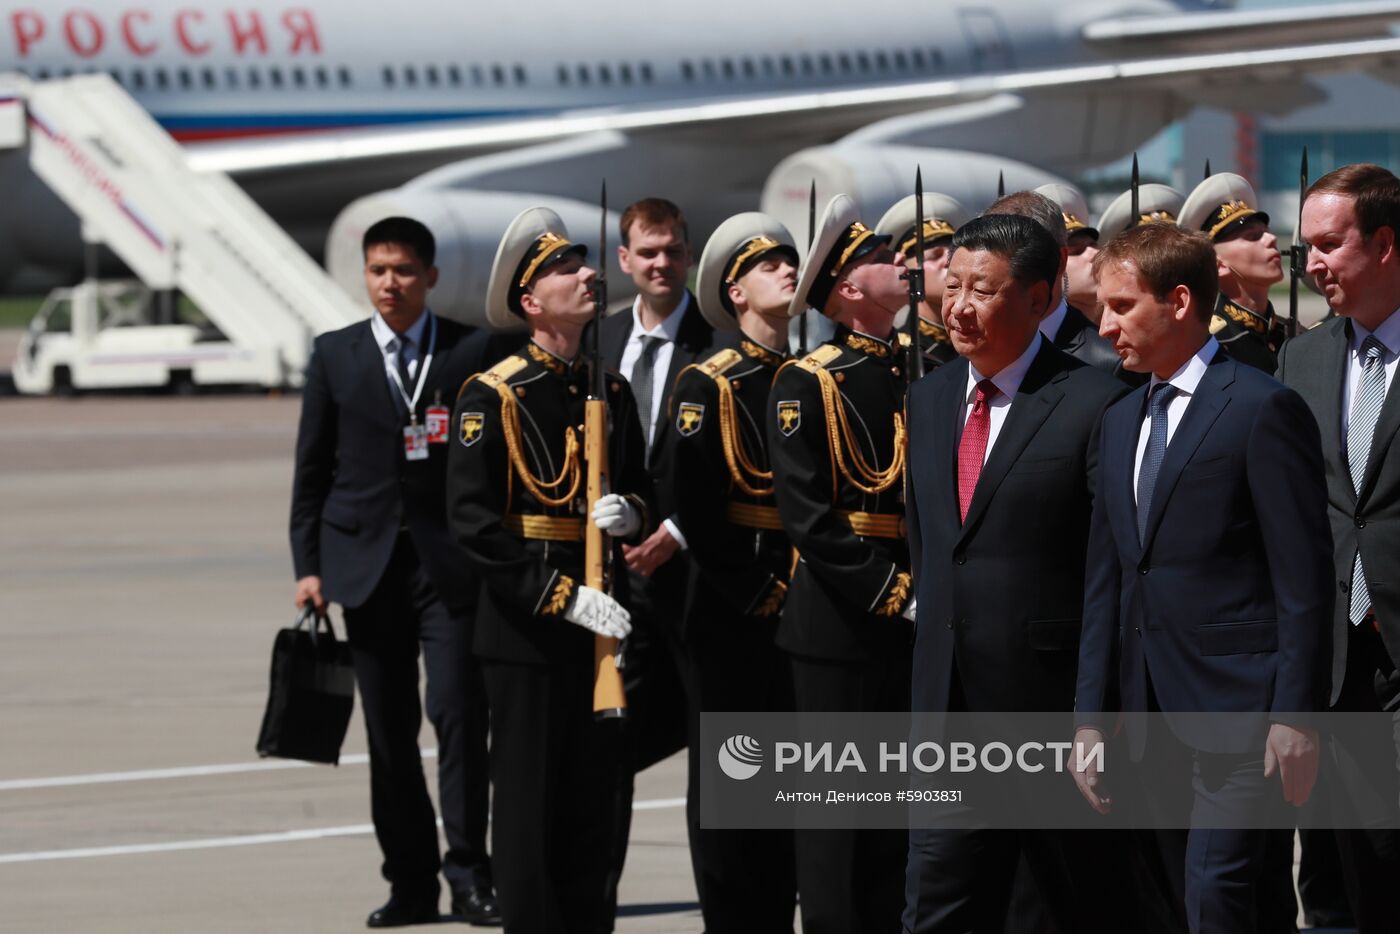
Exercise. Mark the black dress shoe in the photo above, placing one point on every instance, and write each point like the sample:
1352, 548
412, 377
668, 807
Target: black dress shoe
477, 905
401, 910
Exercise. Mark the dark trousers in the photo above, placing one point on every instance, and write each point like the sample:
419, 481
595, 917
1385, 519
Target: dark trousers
1228, 873
851, 881
745, 878
1365, 782
555, 773
403, 613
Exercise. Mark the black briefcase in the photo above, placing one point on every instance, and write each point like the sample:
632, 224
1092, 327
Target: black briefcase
311, 694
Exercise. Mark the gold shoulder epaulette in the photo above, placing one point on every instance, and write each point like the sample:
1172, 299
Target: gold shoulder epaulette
498, 374
720, 362
821, 358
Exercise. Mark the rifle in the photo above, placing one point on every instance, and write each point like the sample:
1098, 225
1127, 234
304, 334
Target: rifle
914, 275
1298, 252
811, 235
1001, 184
609, 700
1207, 173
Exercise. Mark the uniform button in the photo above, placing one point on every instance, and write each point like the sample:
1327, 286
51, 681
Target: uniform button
616, 386
1360, 522
895, 370
573, 390
520, 391
735, 384
1137, 629
840, 377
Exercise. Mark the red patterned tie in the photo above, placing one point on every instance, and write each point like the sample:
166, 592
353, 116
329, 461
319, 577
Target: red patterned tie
973, 446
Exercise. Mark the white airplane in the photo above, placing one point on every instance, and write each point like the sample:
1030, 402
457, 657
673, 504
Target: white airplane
464, 113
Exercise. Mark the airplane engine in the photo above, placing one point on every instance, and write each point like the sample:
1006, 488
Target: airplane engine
877, 176
468, 226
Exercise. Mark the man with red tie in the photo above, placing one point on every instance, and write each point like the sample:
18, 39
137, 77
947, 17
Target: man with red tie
997, 549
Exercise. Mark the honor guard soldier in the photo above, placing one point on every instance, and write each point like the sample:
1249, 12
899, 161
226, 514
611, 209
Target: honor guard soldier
837, 444
1247, 260
716, 466
516, 503
1157, 204
1082, 238
943, 215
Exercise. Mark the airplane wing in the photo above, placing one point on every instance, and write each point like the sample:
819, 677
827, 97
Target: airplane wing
1221, 30
799, 118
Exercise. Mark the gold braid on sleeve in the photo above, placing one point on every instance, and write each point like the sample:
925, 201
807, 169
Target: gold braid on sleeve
741, 468
570, 475
863, 477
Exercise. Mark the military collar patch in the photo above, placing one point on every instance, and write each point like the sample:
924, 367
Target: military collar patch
934, 332
547, 359
789, 416
470, 429
867, 345
1252, 320
760, 353
689, 418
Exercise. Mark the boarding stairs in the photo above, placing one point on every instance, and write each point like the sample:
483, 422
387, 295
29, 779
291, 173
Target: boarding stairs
133, 189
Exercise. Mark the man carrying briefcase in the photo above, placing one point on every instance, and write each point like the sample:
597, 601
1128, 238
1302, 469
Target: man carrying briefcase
369, 532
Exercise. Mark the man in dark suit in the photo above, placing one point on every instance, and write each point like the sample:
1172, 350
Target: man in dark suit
662, 334
1345, 370
369, 531
1065, 326
1020, 420
1210, 589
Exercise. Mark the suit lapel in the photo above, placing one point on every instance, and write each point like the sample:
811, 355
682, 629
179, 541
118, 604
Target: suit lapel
613, 340
1330, 375
374, 387
943, 431
1386, 426
1121, 429
1204, 408
1035, 400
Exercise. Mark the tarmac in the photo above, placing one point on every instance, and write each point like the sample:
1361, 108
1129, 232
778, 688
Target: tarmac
144, 569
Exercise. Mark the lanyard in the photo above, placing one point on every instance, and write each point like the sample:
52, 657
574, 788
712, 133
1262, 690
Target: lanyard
422, 374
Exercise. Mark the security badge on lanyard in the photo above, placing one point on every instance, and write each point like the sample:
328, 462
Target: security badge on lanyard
416, 436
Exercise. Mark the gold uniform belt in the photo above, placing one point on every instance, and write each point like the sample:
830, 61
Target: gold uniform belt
545, 528
753, 517
873, 524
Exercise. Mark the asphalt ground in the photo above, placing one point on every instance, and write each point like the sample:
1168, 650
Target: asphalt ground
143, 572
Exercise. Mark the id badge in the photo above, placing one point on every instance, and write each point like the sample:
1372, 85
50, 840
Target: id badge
435, 420
415, 442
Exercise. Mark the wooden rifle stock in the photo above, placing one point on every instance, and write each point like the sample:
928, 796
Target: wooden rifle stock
608, 697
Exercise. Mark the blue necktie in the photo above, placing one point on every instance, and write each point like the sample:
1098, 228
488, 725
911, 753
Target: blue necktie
1157, 403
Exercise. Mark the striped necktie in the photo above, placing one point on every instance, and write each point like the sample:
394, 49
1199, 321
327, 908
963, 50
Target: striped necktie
1361, 428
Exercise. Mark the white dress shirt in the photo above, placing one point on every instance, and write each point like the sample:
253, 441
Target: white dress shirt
1050, 324
1389, 335
383, 335
1187, 379
1007, 382
667, 330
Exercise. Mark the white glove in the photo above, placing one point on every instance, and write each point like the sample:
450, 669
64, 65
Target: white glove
911, 609
597, 612
616, 516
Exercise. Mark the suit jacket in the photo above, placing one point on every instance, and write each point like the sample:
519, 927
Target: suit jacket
353, 489
1315, 364
1225, 602
1000, 596
1079, 338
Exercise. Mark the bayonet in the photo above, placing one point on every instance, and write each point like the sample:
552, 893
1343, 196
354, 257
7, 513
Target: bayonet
1136, 211
1298, 252
915, 277
811, 235
1207, 171
1001, 184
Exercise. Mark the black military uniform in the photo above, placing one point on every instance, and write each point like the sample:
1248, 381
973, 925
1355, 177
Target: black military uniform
516, 488
716, 462
836, 439
1249, 337
935, 344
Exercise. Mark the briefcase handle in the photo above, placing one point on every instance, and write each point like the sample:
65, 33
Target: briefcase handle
308, 613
